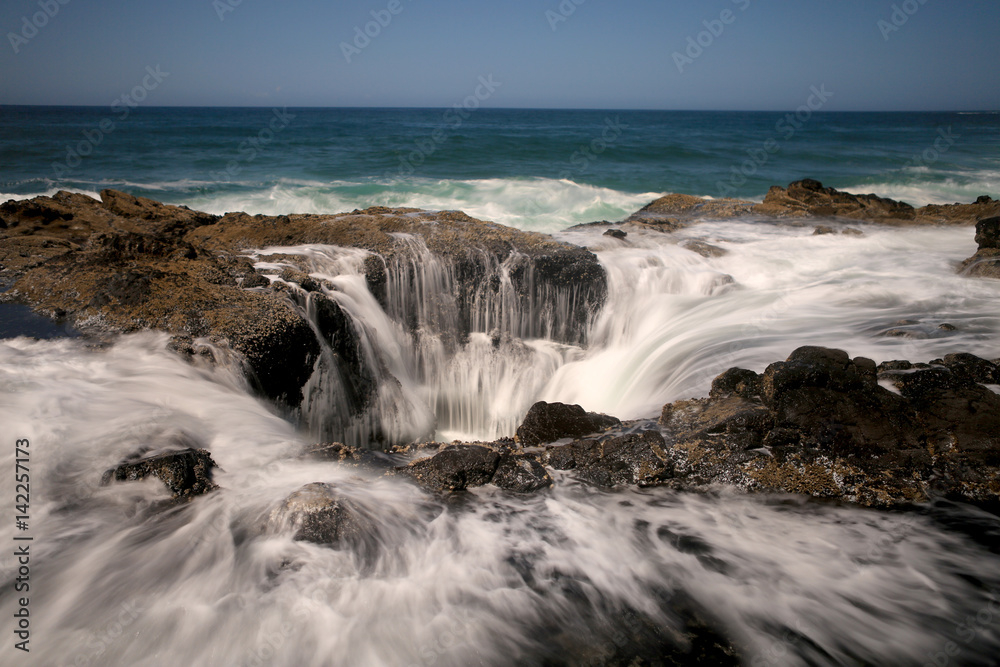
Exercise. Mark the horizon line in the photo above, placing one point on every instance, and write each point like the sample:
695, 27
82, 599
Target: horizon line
438, 108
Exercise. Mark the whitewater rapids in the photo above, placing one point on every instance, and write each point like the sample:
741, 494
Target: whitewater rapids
551, 578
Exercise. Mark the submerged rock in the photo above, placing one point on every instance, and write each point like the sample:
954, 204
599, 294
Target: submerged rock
318, 513
548, 422
521, 473
704, 249
186, 473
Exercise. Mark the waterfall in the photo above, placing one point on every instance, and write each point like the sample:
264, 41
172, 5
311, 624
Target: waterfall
453, 348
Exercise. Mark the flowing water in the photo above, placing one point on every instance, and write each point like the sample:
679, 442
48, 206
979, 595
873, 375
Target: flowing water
561, 576
572, 575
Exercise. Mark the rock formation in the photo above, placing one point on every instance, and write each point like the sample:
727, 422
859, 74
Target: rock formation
127, 263
986, 262
809, 199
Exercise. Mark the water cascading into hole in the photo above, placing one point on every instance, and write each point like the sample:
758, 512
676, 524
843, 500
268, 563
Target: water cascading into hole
455, 349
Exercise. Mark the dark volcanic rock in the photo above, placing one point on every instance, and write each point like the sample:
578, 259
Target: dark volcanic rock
824, 426
548, 422
972, 367
521, 473
955, 408
318, 513
455, 468
186, 473
988, 233
836, 402
616, 233
636, 458
738, 381
986, 262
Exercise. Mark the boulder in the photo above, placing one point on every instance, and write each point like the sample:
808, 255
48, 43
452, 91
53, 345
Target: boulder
186, 473
836, 402
986, 262
635, 458
455, 468
521, 473
706, 250
616, 233
988, 233
736, 381
548, 422
318, 513
972, 367
954, 409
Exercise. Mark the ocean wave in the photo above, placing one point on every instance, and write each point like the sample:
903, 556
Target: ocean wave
959, 188
535, 204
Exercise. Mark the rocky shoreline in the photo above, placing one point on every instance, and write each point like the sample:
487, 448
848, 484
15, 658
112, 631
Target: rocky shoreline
818, 423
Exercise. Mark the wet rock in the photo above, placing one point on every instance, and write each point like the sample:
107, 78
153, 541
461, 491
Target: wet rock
824, 426
836, 401
455, 468
548, 422
318, 513
986, 262
704, 249
616, 233
186, 473
851, 231
521, 473
808, 197
988, 233
736, 381
954, 408
636, 458
682, 207
823, 230
743, 422
972, 367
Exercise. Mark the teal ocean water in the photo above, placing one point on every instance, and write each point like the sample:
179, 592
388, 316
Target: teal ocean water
535, 169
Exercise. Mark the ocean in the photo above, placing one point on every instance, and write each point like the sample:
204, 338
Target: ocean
533, 169
569, 576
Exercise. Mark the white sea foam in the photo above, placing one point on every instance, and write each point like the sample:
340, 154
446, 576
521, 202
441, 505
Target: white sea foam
497, 581
919, 191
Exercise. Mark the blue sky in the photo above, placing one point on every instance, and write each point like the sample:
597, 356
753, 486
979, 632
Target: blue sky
765, 55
